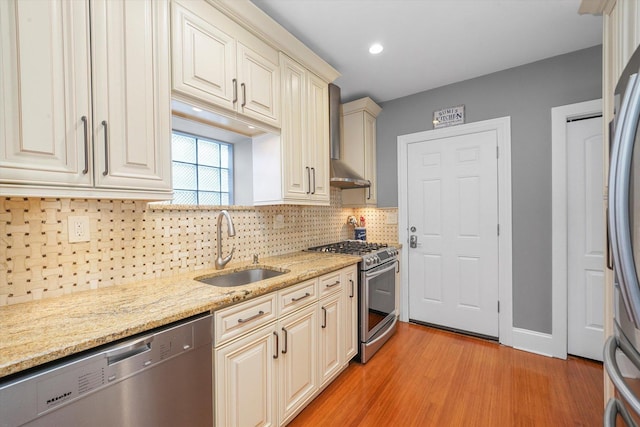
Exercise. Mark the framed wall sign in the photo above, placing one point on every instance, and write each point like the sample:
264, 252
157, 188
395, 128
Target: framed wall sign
449, 116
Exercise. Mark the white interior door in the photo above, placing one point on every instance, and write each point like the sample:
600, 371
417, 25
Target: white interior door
453, 214
585, 238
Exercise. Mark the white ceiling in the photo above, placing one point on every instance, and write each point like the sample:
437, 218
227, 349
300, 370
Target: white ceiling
431, 43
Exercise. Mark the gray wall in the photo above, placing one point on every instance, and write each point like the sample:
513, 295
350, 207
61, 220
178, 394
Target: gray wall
527, 94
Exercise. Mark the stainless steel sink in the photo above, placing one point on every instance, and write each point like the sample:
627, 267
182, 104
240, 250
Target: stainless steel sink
239, 278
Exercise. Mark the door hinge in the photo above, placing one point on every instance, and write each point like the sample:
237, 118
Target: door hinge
497, 152
498, 229
498, 306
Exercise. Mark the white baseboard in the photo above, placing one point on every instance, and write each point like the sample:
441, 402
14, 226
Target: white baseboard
533, 342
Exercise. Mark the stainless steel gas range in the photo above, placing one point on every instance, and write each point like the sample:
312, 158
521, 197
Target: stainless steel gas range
377, 316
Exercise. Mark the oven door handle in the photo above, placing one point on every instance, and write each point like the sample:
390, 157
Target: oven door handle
379, 270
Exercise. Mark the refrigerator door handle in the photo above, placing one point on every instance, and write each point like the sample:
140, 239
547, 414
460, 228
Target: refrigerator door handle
613, 343
611, 412
619, 184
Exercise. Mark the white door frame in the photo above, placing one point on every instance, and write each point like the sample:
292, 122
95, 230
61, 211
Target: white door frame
559, 308
502, 127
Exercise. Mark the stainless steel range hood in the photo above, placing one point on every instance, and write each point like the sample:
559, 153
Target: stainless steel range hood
342, 175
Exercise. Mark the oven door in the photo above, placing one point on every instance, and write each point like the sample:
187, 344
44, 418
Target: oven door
379, 291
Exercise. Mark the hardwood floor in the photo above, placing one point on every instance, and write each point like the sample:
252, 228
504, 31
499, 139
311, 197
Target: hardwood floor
428, 377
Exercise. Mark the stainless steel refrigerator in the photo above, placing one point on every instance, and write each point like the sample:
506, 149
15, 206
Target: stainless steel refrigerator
622, 350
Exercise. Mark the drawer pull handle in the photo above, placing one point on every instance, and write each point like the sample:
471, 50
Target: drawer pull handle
255, 316
352, 292
334, 284
306, 294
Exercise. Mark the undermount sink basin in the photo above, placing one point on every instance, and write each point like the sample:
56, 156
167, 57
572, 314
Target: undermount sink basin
239, 278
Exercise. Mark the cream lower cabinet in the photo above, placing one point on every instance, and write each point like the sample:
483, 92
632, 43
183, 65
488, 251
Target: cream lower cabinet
85, 104
331, 345
245, 386
350, 321
275, 353
297, 373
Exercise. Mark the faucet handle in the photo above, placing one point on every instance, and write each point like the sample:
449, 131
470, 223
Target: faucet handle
255, 259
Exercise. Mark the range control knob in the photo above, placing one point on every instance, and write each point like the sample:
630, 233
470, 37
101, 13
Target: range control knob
368, 261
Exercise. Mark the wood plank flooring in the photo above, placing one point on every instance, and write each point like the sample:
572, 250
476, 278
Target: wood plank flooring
428, 377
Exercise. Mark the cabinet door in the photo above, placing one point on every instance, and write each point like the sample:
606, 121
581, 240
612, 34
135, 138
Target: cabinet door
204, 56
131, 94
44, 93
245, 382
296, 173
297, 368
259, 83
350, 323
318, 137
330, 337
370, 158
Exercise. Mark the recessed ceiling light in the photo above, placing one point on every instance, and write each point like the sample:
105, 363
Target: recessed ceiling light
375, 48
251, 127
196, 109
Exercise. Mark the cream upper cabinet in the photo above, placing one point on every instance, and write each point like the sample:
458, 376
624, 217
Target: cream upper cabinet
100, 118
131, 94
294, 167
45, 99
318, 136
359, 149
218, 62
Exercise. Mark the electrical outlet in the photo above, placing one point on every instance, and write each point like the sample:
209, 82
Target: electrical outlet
78, 229
391, 217
278, 221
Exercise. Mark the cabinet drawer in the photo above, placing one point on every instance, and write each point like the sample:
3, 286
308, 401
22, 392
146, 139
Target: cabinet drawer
238, 319
296, 296
330, 283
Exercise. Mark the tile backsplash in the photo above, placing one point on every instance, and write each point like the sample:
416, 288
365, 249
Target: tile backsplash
132, 241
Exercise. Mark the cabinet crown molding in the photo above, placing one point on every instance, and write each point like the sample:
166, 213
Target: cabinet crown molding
247, 14
364, 104
593, 7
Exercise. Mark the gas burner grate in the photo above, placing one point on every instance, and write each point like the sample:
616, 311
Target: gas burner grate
352, 247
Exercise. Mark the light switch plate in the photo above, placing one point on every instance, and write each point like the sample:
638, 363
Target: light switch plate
78, 229
278, 221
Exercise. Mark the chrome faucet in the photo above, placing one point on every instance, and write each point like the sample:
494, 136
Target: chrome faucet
231, 231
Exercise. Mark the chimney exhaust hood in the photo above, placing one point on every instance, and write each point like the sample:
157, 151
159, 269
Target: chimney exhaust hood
342, 175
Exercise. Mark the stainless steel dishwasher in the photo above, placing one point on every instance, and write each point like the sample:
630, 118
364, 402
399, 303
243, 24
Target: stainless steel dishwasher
159, 378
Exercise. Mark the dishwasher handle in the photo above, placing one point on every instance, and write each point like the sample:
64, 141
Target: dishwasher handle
128, 351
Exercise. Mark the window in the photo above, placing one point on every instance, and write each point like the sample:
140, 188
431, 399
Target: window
202, 170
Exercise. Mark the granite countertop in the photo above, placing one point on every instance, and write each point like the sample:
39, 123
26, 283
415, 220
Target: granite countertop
41, 331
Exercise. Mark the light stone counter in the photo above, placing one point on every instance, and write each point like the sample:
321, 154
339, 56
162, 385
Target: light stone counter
37, 332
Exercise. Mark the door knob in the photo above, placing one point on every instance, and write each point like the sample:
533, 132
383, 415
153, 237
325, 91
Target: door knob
413, 241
